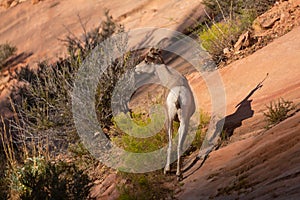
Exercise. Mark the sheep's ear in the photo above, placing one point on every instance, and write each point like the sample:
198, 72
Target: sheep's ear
152, 49
163, 43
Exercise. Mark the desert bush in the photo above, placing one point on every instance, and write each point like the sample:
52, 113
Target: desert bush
46, 99
221, 9
44, 126
41, 179
106, 86
45, 106
224, 34
278, 111
31, 173
226, 21
80, 48
218, 37
6, 51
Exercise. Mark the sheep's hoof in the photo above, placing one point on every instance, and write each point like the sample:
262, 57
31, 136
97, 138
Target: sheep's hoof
179, 177
166, 170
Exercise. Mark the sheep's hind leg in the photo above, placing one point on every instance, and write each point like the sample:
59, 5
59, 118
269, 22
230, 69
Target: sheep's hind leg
182, 131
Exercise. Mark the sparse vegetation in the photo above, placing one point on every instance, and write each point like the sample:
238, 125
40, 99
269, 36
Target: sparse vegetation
147, 186
227, 20
144, 186
32, 173
218, 37
200, 133
141, 126
150, 185
6, 51
278, 111
223, 35
223, 8
240, 185
41, 179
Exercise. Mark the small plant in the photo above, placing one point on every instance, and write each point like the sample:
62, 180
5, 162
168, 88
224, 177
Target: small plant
6, 51
224, 136
200, 133
278, 111
146, 186
218, 37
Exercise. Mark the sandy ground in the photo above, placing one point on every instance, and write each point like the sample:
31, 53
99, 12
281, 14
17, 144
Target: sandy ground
257, 163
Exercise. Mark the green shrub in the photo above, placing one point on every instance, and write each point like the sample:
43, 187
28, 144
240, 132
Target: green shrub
41, 179
218, 37
140, 126
278, 111
31, 172
6, 51
225, 8
224, 34
146, 186
227, 20
144, 125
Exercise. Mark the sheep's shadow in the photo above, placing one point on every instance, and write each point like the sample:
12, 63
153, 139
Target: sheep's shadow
244, 111
231, 122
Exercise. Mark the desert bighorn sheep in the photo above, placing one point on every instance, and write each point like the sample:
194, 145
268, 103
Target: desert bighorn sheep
179, 101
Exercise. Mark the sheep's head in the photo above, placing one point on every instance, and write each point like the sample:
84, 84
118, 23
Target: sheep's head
154, 56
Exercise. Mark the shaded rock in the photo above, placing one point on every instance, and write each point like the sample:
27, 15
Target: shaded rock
278, 20
6, 3
243, 41
35, 1
14, 3
268, 22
